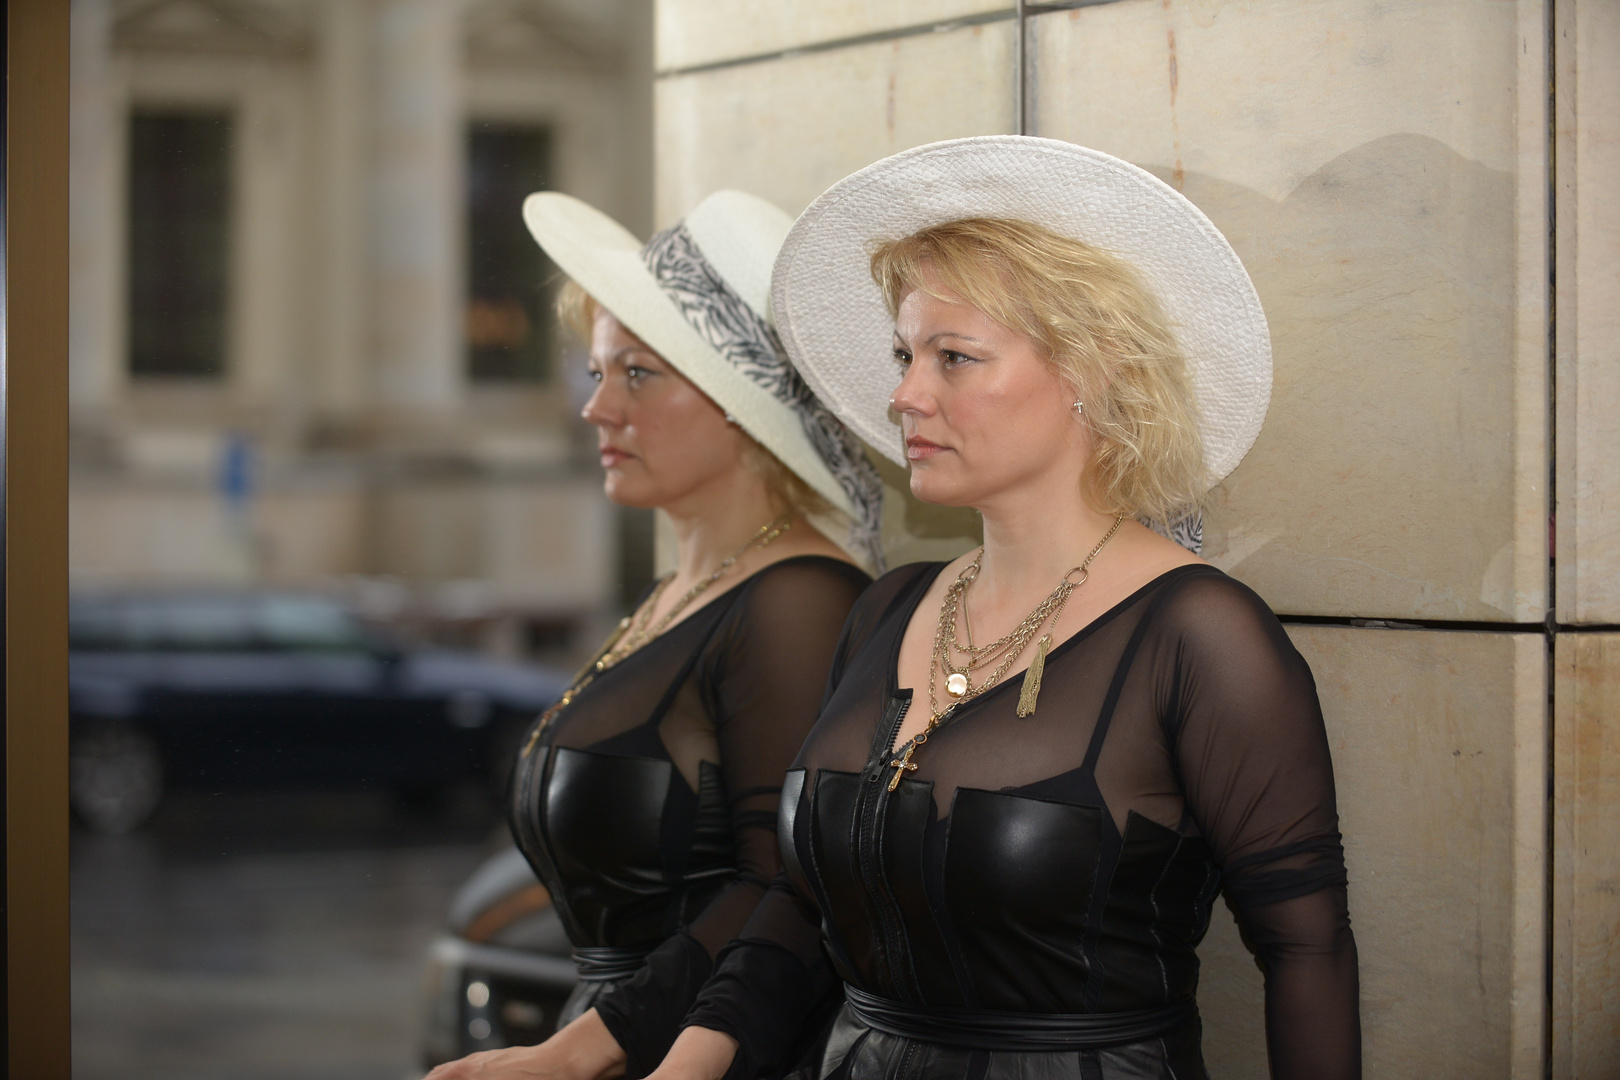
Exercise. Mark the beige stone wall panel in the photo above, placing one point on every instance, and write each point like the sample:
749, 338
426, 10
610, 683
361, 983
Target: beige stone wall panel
1586, 858
787, 129
1381, 171
1587, 45
1439, 750
693, 32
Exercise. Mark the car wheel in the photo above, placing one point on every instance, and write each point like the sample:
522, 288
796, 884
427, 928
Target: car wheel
115, 777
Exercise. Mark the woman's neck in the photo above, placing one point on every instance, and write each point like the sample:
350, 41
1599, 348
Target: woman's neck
712, 526
1031, 544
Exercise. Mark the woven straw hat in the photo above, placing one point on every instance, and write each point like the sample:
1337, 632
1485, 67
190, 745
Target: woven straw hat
698, 294
832, 319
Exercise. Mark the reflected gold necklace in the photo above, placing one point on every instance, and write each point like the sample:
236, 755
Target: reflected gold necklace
634, 630
1006, 650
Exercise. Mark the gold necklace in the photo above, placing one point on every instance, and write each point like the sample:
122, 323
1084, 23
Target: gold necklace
633, 632
635, 638
1007, 649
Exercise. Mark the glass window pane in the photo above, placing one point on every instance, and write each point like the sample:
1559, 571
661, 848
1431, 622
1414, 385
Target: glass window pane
509, 316
179, 208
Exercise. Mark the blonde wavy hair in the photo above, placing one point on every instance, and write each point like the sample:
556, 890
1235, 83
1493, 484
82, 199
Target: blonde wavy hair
577, 309
1097, 324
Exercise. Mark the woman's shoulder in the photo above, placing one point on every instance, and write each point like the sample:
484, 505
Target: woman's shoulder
804, 580
1215, 613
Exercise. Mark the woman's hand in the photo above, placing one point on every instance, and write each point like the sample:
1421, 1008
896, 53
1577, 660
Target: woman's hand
698, 1054
584, 1050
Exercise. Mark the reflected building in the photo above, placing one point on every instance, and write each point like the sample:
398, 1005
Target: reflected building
311, 340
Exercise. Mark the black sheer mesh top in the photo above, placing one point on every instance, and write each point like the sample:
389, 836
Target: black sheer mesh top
648, 806
1064, 862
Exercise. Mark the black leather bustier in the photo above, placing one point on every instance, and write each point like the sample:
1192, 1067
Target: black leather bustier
628, 850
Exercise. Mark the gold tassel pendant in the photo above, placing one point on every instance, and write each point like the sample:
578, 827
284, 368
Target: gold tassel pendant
1032, 678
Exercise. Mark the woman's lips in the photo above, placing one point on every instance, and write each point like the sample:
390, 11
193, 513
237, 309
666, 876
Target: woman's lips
612, 455
920, 449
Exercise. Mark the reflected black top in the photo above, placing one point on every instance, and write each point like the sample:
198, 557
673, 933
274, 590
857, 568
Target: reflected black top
648, 806
1064, 862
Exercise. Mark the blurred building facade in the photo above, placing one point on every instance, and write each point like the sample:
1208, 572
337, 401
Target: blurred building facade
311, 339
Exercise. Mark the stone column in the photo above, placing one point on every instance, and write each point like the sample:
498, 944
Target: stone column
415, 191
341, 346
95, 240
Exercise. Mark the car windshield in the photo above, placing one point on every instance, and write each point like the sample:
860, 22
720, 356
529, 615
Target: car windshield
215, 624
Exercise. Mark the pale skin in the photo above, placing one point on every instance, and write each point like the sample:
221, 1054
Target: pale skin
988, 423
663, 444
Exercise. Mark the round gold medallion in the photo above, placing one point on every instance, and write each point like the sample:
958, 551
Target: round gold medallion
956, 684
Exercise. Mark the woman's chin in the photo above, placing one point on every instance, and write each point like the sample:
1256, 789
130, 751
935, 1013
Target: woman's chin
929, 489
622, 492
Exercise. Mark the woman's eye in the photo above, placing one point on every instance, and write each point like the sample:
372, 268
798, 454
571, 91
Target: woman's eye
953, 358
596, 376
636, 374
902, 357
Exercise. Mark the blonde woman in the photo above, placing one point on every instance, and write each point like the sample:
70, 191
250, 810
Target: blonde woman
1039, 765
646, 799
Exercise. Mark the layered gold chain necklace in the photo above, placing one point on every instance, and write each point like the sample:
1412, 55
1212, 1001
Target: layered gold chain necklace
638, 628
1003, 652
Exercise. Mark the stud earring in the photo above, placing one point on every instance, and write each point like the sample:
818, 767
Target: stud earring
1079, 408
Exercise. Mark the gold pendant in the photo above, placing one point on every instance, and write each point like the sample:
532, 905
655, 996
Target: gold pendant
956, 684
901, 766
1032, 678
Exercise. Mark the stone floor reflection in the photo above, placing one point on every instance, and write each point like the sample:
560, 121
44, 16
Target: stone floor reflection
265, 936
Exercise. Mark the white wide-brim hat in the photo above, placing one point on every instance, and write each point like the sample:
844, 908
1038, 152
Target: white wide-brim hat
832, 319
698, 295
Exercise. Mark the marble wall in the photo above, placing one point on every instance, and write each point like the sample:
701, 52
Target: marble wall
1390, 174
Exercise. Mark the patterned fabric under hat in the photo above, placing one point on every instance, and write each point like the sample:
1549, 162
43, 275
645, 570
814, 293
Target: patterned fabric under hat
740, 335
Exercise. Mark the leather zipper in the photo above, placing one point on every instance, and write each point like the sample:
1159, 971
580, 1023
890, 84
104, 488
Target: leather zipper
870, 815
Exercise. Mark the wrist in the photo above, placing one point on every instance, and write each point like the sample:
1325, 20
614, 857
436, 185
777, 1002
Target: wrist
587, 1050
698, 1054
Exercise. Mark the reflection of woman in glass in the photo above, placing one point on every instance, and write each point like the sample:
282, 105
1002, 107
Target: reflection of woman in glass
1039, 765
646, 799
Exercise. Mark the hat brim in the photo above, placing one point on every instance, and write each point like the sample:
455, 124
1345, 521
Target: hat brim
604, 258
832, 319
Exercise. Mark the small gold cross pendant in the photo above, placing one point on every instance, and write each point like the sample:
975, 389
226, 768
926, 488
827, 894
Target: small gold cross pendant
901, 766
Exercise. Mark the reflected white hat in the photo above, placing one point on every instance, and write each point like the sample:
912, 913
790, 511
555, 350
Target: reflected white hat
833, 321
698, 294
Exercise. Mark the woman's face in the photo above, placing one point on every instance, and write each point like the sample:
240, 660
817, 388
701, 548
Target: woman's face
983, 415
661, 440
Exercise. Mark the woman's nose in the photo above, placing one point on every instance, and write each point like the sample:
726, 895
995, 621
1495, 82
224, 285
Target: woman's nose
915, 392
601, 409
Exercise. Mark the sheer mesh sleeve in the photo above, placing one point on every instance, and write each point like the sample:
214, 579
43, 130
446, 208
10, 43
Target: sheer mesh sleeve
762, 677
773, 984
1252, 753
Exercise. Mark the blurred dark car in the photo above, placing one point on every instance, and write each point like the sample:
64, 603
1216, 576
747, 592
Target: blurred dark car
261, 688
501, 973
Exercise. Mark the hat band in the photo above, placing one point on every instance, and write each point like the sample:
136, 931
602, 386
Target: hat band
736, 331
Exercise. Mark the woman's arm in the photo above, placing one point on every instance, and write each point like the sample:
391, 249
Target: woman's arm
698, 1054
584, 1050
1252, 751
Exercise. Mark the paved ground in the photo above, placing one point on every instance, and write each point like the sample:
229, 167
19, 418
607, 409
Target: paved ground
264, 937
